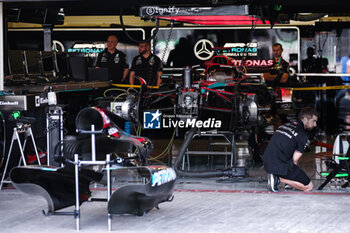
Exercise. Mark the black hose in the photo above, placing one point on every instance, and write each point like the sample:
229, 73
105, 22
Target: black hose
132, 39
235, 105
160, 99
70, 147
161, 92
197, 174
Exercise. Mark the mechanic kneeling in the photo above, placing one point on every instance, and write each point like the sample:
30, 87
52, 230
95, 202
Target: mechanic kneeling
286, 148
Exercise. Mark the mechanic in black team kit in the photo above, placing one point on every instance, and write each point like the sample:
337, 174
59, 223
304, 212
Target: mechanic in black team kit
285, 149
279, 72
147, 66
114, 60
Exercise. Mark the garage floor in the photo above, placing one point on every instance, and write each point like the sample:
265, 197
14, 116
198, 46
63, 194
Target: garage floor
200, 205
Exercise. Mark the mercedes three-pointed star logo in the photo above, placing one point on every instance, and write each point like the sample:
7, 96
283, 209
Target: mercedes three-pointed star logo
202, 49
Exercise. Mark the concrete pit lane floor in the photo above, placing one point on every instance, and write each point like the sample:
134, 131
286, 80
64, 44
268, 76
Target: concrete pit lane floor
200, 205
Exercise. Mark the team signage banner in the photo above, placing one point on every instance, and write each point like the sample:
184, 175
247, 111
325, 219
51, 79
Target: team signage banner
152, 11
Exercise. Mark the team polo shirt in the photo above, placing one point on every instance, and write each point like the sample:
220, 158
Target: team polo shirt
288, 138
280, 64
115, 62
147, 68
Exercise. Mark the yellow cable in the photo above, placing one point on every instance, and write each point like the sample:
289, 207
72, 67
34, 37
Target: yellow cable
115, 99
112, 89
320, 88
133, 86
130, 88
245, 70
166, 150
162, 163
138, 132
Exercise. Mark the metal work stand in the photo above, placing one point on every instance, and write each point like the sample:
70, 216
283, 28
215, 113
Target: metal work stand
341, 167
93, 161
77, 164
54, 131
230, 141
25, 129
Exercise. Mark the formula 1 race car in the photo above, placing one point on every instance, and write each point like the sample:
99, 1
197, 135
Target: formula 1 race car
215, 96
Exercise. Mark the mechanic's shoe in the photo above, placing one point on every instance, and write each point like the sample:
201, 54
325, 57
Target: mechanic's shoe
288, 187
273, 182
